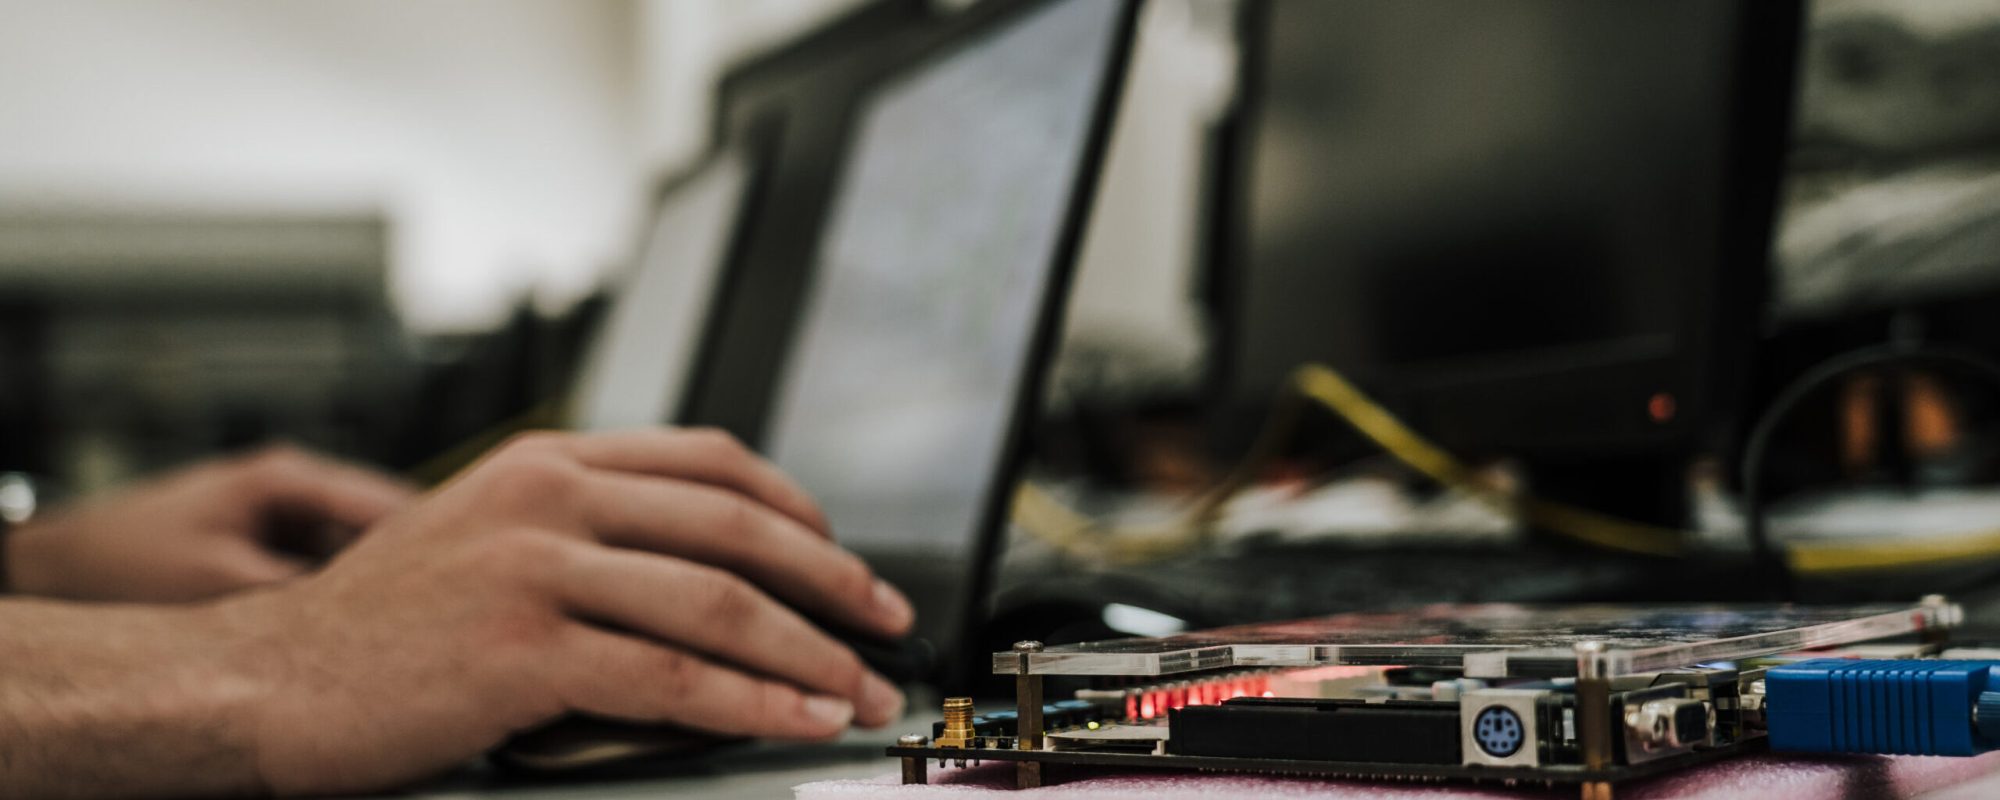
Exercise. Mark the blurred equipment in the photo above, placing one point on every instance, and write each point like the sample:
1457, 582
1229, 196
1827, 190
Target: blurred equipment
1534, 228
136, 341
1894, 198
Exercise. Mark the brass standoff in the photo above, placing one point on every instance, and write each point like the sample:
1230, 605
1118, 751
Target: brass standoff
958, 731
916, 769
1593, 715
1028, 716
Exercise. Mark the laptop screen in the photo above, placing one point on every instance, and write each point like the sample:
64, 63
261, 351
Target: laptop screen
642, 355
899, 391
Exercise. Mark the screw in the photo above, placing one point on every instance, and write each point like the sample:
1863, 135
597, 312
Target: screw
1028, 646
912, 740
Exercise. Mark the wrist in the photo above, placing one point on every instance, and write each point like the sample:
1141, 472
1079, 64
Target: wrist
159, 687
247, 676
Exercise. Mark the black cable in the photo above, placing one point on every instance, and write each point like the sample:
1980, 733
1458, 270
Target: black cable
1826, 372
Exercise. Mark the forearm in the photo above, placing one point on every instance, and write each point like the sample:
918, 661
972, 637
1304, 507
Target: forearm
122, 701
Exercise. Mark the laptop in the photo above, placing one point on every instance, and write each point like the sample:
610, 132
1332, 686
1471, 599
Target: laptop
905, 374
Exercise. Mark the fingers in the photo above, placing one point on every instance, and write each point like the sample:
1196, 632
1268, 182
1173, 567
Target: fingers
704, 455
708, 611
618, 676
724, 529
231, 566
244, 565
347, 495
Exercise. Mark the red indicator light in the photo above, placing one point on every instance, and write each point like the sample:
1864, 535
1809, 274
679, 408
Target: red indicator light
1660, 408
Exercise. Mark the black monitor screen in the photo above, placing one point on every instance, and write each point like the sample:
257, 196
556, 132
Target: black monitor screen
1433, 185
896, 399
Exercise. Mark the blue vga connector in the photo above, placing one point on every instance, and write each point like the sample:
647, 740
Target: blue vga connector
1913, 707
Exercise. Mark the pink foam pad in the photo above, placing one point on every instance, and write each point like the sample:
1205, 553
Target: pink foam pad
1752, 778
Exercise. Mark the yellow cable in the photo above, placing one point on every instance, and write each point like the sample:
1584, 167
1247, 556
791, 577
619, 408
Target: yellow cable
1042, 515
1818, 558
1389, 433
1812, 557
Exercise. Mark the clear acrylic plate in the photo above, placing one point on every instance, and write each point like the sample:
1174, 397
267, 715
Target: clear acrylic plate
1498, 640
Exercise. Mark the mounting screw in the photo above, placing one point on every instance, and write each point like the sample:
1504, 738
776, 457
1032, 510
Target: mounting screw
1028, 646
912, 740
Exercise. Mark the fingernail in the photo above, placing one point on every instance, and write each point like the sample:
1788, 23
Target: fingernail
890, 603
832, 712
884, 700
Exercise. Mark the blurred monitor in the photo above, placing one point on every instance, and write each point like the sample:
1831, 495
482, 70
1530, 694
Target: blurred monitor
1528, 226
638, 365
899, 395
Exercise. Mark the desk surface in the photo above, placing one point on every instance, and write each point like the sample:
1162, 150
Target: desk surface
770, 771
762, 771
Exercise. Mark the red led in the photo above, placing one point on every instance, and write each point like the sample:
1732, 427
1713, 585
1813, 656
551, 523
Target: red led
1661, 408
1131, 706
1149, 707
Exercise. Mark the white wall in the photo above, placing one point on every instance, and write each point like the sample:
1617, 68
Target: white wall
500, 135
687, 44
1132, 321
511, 142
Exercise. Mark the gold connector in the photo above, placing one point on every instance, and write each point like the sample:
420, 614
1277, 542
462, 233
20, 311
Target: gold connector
958, 730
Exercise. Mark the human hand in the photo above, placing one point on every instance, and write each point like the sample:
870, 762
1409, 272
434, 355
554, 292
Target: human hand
635, 576
200, 532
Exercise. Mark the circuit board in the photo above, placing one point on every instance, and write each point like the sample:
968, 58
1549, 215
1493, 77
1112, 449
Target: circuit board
1590, 696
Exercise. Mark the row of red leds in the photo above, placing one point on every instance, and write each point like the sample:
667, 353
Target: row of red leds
1153, 703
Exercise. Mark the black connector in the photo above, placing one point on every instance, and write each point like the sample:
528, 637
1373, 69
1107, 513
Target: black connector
1394, 732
